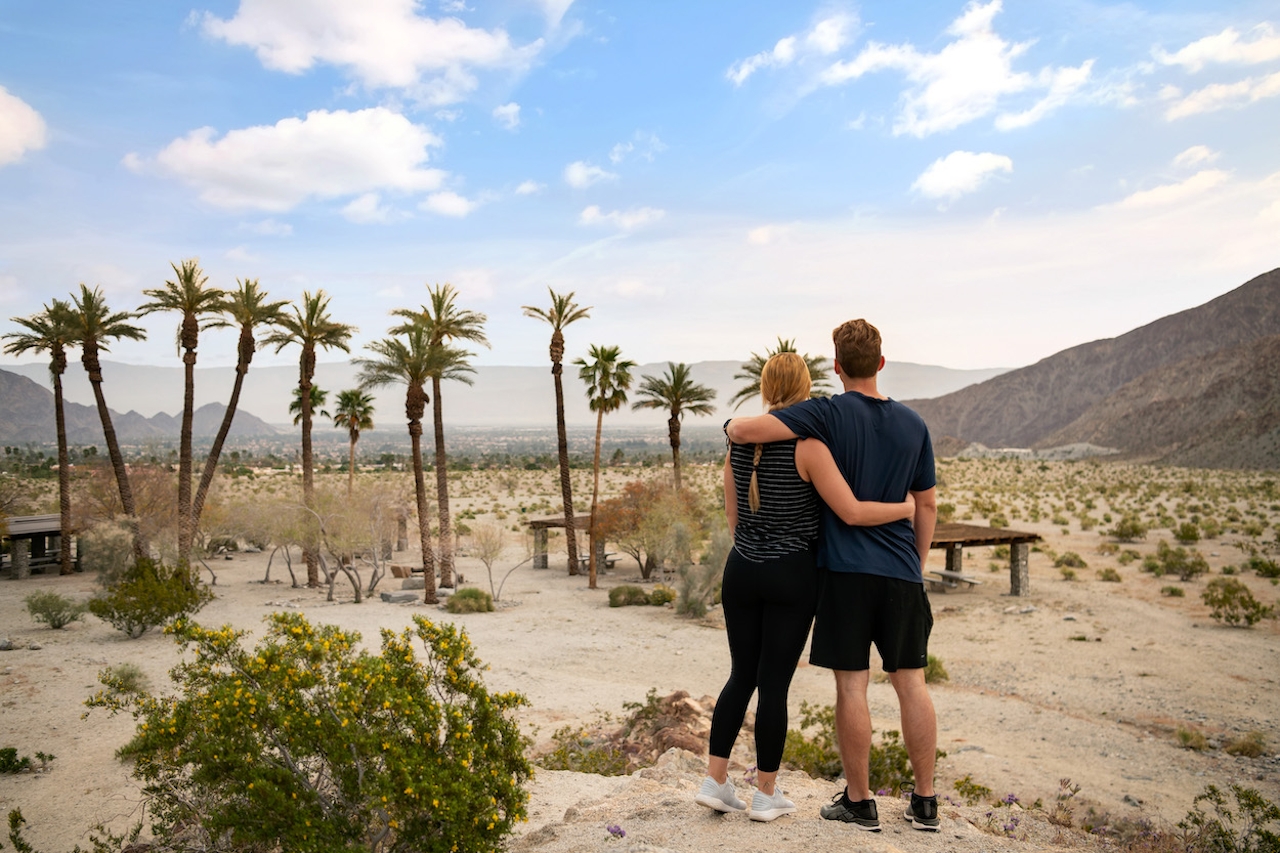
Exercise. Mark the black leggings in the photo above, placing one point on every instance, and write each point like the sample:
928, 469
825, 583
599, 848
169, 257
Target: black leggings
768, 610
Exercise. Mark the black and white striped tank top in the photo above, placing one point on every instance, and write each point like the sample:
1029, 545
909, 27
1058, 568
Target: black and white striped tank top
787, 520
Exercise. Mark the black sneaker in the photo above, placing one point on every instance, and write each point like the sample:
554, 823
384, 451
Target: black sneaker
923, 813
861, 814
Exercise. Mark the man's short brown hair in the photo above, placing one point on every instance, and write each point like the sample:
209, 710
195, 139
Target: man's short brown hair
857, 349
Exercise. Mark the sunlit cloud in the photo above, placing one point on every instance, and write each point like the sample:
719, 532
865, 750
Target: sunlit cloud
507, 115
1219, 96
449, 203
824, 38
22, 129
1226, 47
1168, 195
623, 220
1194, 156
960, 173
581, 174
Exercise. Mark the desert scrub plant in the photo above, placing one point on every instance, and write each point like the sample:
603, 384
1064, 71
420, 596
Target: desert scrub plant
125, 678
1068, 574
580, 751
1191, 739
627, 595
1109, 575
1187, 533
970, 791
1250, 745
1127, 556
662, 594
147, 595
699, 587
934, 671
470, 599
56, 611
1172, 591
1254, 827
1230, 601
1179, 561
308, 743
11, 762
1128, 529
1262, 567
890, 769
1071, 560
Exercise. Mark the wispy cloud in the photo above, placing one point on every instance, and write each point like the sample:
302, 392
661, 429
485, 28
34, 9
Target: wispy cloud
367, 209
1220, 96
1195, 156
269, 228
326, 155
1226, 47
529, 188
507, 115
960, 173
642, 144
824, 38
449, 203
1168, 195
22, 129
623, 220
581, 174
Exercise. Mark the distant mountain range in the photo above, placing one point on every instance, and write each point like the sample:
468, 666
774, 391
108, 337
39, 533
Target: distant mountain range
26, 415
518, 397
1198, 388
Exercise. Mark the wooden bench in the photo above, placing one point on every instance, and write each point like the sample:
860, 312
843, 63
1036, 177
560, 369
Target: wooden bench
402, 571
941, 581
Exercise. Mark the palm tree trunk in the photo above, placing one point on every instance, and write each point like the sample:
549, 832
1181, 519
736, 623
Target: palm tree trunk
215, 452
566, 487
673, 432
424, 523
351, 465
308, 475
442, 489
595, 497
117, 460
64, 478
186, 530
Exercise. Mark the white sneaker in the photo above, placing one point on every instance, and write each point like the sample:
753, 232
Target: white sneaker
766, 807
722, 798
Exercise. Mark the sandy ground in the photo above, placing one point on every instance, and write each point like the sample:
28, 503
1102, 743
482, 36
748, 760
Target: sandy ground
1081, 680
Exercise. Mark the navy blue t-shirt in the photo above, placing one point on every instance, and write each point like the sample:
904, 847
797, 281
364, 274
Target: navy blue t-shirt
883, 449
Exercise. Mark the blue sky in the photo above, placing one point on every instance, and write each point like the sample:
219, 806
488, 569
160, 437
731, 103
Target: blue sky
987, 182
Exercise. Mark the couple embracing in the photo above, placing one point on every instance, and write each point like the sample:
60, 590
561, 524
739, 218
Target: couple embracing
853, 558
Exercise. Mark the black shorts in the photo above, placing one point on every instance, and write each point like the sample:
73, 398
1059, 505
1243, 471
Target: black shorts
856, 610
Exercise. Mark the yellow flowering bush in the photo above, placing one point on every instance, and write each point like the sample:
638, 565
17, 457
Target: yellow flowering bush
307, 743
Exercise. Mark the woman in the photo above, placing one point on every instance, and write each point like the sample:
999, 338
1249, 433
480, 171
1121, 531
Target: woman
770, 584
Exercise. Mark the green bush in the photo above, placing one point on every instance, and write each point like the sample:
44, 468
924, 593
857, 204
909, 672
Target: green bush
1172, 591
10, 762
307, 743
934, 671
1181, 562
1255, 828
698, 585
820, 757
125, 678
1191, 739
1187, 533
1067, 574
579, 751
972, 792
1230, 601
106, 551
1127, 556
56, 611
1251, 745
627, 595
1070, 559
1128, 529
147, 595
469, 599
1109, 575
662, 594
1263, 567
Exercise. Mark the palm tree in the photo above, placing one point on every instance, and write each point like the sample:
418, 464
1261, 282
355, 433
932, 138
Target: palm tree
410, 360
310, 326
50, 331
353, 413
608, 376
318, 399
191, 297
444, 322
819, 372
247, 308
94, 326
562, 312
675, 391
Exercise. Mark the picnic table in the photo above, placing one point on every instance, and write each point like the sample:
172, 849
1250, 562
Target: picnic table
956, 537
35, 543
581, 523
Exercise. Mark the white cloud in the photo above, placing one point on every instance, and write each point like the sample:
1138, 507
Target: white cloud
1224, 95
449, 203
824, 38
269, 228
508, 115
242, 254
581, 175
555, 10
632, 288
1168, 195
326, 155
380, 43
620, 151
22, 129
960, 172
644, 145
965, 80
1195, 156
367, 209
529, 188
1225, 47
624, 220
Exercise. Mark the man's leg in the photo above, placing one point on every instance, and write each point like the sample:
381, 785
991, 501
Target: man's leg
853, 730
919, 726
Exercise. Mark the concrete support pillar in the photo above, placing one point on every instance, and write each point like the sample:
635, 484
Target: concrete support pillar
955, 558
1019, 577
540, 548
20, 554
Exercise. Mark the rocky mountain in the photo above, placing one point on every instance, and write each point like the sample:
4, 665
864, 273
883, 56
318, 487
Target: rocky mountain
26, 415
1040, 405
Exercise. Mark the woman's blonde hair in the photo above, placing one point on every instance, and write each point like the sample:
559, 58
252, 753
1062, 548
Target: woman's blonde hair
784, 381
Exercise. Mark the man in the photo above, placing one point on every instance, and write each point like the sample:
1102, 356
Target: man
873, 586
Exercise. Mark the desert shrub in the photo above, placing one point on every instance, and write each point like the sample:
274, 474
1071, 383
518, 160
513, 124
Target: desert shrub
1250, 745
998, 519
1188, 533
1127, 556
627, 595
11, 762
149, 594
661, 594
970, 791
819, 756
470, 600
1228, 569
1172, 591
307, 743
1230, 601
698, 587
1000, 552
1181, 562
1253, 828
946, 512
1068, 574
1107, 549
1109, 575
106, 550
1128, 529
1191, 739
1070, 559
1210, 528
125, 678
580, 751
1263, 567
1153, 565
934, 671
56, 611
